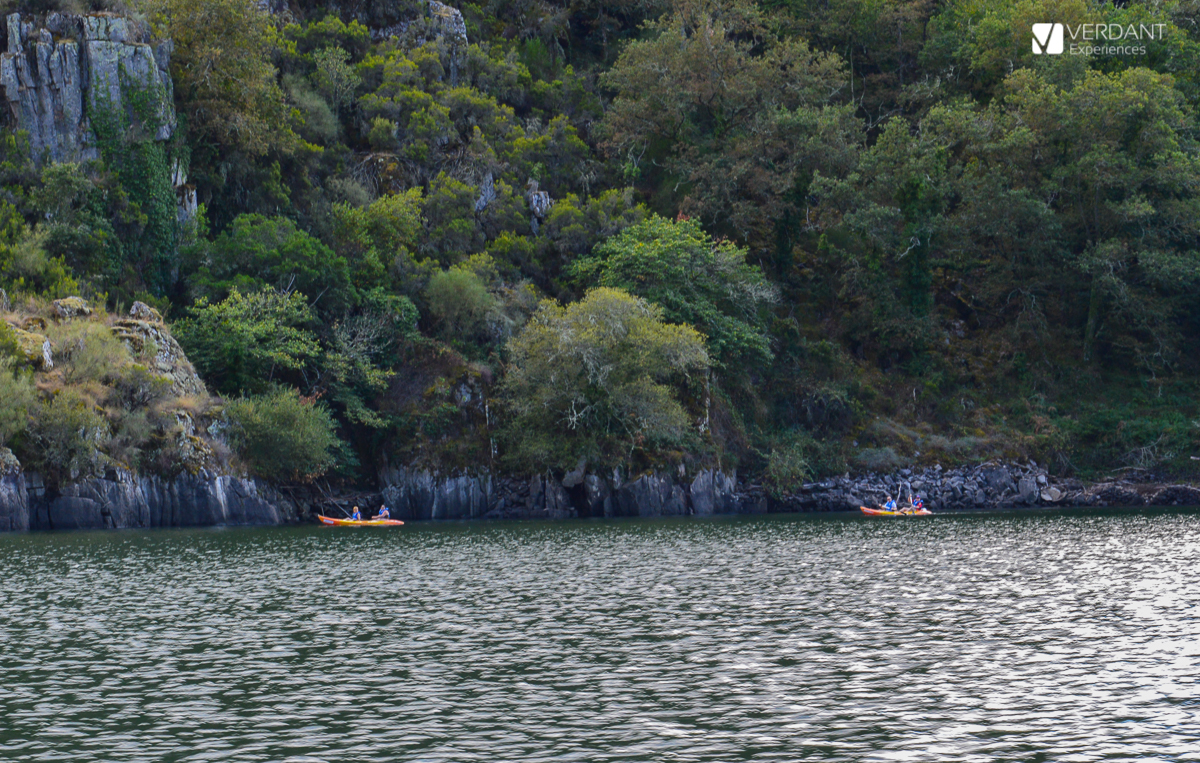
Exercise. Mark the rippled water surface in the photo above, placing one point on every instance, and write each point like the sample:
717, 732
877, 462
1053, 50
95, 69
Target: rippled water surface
1033, 637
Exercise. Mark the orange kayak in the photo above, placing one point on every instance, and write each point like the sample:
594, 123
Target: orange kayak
359, 522
883, 513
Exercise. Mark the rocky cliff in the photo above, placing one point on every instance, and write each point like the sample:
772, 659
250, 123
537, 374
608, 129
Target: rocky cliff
420, 494
61, 76
123, 500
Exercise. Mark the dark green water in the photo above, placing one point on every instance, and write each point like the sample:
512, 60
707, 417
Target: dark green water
1031, 637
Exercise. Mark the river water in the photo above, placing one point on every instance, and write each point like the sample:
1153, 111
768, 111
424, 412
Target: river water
1069, 636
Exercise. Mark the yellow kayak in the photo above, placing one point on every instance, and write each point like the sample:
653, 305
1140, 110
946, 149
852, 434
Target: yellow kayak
898, 513
359, 522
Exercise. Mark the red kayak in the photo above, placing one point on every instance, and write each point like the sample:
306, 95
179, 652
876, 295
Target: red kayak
359, 522
897, 513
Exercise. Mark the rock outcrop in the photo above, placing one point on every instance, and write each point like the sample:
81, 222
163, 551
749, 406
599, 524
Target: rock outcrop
145, 334
417, 494
65, 75
125, 500
14, 498
36, 349
421, 494
72, 307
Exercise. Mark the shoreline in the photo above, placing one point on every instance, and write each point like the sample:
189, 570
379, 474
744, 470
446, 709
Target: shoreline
124, 500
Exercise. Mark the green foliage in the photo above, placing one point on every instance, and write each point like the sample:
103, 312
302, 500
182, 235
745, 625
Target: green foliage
282, 436
736, 114
25, 266
336, 78
242, 342
319, 124
17, 397
88, 349
380, 239
694, 279
599, 379
329, 32
128, 144
65, 437
786, 469
224, 80
449, 210
459, 301
136, 387
899, 214
259, 252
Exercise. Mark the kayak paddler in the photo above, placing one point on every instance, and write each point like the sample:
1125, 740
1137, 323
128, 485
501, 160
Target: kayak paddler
384, 512
355, 515
890, 505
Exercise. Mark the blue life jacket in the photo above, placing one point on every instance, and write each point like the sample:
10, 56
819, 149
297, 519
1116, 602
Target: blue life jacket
890, 505
385, 513
356, 515
918, 503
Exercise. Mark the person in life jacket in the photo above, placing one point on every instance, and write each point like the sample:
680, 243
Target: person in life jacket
384, 512
890, 505
355, 515
917, 503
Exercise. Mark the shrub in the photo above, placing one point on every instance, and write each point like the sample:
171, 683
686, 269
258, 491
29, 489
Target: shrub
136, 386
132, 431
459, 301
787, 468
17, 397
90, 350
238, 344
66, 435
282, 436
9, 346
878, 459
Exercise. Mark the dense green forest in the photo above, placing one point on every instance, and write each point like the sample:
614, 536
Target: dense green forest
792, 237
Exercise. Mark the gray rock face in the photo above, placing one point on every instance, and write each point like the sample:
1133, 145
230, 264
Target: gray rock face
415, 494
145, 337
64, 78
14, 502
714, 493
125, 500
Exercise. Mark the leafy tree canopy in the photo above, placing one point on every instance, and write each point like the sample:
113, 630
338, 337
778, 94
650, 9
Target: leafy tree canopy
695, 280
598, 379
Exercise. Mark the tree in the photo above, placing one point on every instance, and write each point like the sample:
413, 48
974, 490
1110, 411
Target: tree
283, 436
233, 114
223, 76
694, 279
259, 252
736, 115
459, 301
336, 78
598, 379
238, 344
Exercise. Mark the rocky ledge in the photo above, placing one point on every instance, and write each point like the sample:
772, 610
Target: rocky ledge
985, 486
124, 500
418, 494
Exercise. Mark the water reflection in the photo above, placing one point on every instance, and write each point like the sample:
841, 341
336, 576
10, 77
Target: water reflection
1051, 636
